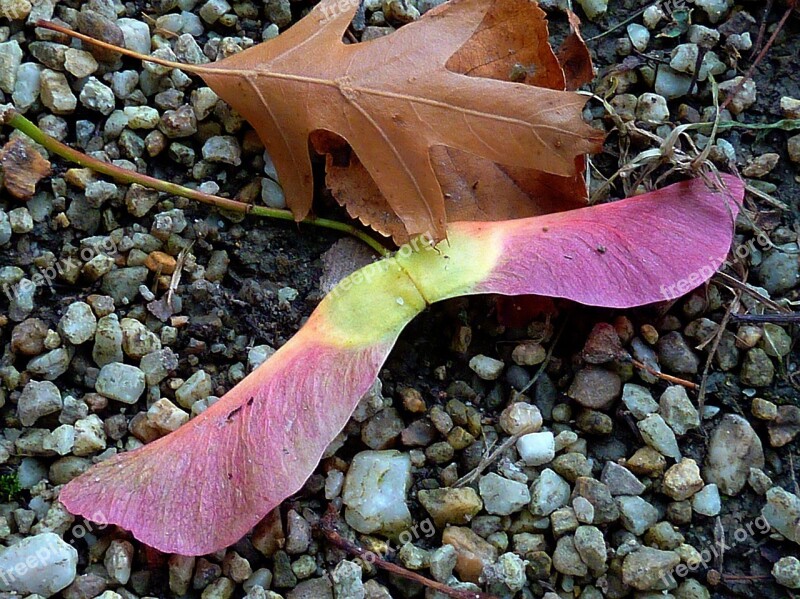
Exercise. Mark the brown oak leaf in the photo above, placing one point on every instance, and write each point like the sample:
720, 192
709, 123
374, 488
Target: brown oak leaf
511, 43
393, 100
23, 167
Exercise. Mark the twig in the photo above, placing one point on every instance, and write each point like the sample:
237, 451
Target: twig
793, 318
19, 122
762, 195
701, 394
547, 358
719, 541
621, 23
734, 282
490, 459
759, 58
701, 54
664, 377
327, 526
762, 29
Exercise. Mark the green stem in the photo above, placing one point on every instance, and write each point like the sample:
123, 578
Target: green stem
22, 124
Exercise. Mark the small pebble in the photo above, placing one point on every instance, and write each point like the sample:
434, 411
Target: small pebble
537, 448
485, 367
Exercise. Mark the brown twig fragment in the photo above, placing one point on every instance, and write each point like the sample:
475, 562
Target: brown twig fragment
665, 377
9, 116
717, 337
490, 458
749, 74
327, 527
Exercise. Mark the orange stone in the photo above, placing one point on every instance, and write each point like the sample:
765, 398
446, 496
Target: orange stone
473, 552
160, 261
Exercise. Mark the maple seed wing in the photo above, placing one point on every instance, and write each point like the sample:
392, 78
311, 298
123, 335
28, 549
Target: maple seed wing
649, 248
201, 488
204, 486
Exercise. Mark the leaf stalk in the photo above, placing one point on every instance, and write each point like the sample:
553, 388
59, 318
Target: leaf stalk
20, 123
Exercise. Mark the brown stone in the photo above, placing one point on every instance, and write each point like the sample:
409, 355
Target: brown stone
473, 552
646, 462
27, 338
785, 427
159, 261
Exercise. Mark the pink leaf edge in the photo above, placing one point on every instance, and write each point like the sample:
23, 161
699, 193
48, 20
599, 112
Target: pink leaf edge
649, 248
204, 486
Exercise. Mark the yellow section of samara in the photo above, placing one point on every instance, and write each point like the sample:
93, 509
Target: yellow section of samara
374, 303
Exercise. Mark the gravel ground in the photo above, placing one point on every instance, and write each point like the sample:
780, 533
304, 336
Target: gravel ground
603, 479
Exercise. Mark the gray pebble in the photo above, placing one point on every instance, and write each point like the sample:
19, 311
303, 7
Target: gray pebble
675, 354
222, 149
502, 496
78, 324
734, 448
10, 61
26, 88
121, 382
51, 564
108, 341
757, 369
123, 83
279, 12
97, 96
136, 35
51, 365
123, 284
212, 10
187, 50
779, 272
671, 84
38, 399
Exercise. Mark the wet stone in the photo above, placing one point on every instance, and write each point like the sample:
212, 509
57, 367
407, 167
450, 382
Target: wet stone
502, 496
659, 436
375, 492
38, 399
605, 509
786, 426
678, 411
644, 568
620, 480
636, 514
779, 272
222, 149
757, 369
548, 493
51, 365
675, 355
78, 324
383, 429
595, 388
733, 449
782, 511
451, 505
121, 382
